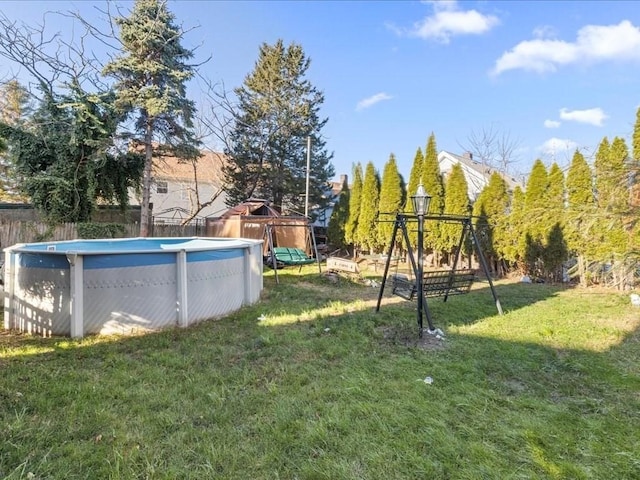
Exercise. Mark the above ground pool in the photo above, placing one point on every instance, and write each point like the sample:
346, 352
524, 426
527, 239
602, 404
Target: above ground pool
124, 286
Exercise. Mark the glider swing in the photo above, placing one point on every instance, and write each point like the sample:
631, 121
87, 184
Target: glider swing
279, 256
440, 283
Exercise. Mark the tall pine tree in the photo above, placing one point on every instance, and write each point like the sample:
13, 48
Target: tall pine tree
490, 212
351, 228
415, 178
579, 213
151, 75
391, 201
555, 250
536, 221
433, 184
456, 202
366, 231
516, 229
278, 109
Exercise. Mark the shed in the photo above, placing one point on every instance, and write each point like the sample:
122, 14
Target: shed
250, 219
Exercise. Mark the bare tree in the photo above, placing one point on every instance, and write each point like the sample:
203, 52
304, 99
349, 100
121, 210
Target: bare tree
493, 148
51, 60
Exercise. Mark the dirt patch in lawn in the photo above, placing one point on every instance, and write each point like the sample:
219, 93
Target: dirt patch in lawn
410, 338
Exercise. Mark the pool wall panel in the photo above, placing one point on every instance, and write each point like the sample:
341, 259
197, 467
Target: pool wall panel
53, 289
129, 299
43, 297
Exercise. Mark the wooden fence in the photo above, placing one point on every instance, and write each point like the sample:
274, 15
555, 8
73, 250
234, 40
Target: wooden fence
15, 231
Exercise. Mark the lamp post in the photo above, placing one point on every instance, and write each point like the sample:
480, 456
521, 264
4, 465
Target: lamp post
420, 202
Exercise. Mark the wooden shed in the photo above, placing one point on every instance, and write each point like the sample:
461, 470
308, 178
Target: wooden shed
251, 218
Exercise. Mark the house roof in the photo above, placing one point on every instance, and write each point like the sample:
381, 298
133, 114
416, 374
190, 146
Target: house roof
484, 170
209, 168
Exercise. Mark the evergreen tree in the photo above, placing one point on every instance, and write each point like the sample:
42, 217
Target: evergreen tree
617, 176
580, 211
66, 157
602, 176
635, 185
415, 177
554, 253
151, 76
490, 212
612, 181
15, 104
391, 201
636, 137
514, 248
15, 108
535, 201
536, 204
432, 177
366, 233
339, 217
433, 184
553, 217
351, 228
554, 197
579, 182
456, 202
278, 109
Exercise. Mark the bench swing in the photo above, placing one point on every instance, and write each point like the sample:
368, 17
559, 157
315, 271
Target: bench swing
439, 283
280, 257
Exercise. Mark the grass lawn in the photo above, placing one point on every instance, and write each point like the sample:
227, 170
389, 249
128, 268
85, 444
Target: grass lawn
322, 387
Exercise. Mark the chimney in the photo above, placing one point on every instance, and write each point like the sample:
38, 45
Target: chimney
468, 155
343, 179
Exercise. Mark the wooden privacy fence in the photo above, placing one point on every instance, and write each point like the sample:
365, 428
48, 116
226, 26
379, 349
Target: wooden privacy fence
16, 231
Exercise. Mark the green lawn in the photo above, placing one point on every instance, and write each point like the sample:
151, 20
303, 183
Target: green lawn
325, 388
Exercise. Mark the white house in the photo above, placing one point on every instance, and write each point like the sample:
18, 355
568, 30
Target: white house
179, 187
476, 174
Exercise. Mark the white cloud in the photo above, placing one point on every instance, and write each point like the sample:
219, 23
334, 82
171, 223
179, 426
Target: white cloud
448, 20
551, 124
592, 116
372, 100
555, 146
594, 43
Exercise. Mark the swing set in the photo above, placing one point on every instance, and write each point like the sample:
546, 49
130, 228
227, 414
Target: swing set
439, 283
279, 256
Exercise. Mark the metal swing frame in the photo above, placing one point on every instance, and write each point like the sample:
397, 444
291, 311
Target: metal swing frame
310, 240
453, 282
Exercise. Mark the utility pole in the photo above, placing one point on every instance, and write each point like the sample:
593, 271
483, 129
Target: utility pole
306, 194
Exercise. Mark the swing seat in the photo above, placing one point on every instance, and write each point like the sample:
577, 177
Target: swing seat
291, 256
402, 286
446, 282
434, 283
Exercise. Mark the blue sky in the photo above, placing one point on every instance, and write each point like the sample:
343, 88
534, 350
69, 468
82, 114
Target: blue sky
553, 76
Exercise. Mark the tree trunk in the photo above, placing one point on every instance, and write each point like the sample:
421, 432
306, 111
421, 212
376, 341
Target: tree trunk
146, 182
582, 271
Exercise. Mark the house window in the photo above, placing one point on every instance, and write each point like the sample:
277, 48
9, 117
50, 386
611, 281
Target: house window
184, 191
162, 187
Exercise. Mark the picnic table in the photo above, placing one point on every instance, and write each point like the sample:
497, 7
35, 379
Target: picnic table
379, 259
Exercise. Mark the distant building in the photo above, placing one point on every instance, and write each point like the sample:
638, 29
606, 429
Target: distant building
173, 190
476, 174
332, 192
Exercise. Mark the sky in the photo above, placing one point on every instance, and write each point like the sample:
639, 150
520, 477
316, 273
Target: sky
552, 77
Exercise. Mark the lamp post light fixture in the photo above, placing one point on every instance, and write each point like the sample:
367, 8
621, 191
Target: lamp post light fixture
420, 202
